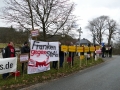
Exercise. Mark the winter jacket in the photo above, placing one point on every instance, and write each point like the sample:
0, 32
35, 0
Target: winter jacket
25, 49
9, 51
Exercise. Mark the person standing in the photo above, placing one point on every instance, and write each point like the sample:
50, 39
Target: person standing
9, 52
25, 49
110, 51
106, 51
103, 51
61, 55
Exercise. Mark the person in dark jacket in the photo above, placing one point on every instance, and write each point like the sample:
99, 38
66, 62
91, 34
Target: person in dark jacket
103, 51
110, 51
61, 55
71, 54
9, 52
25, 49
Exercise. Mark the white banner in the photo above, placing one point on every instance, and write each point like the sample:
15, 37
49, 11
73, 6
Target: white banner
8, 65
41, 54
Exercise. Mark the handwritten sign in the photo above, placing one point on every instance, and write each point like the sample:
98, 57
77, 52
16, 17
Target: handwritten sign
92, 48
81, 57
86, 49
35, 32
72, 48
79, 49
64, 48
24, 57
97, 47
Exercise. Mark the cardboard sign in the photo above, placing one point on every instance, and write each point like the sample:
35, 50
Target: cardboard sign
24, 57
64, 48
82, 57
72, 48
34, 33
92, 49
86, 49
97, 47
79, 49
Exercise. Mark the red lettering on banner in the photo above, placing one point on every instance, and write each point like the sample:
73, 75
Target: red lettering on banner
37, 52
36, 63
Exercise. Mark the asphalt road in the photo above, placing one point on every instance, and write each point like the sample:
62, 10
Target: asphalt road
105, 76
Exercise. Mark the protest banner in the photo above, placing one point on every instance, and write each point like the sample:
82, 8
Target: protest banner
41, 54
8, 65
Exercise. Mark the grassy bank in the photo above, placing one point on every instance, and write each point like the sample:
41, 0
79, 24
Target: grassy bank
27, 80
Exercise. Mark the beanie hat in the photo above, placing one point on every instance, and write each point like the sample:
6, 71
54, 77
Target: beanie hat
25, 42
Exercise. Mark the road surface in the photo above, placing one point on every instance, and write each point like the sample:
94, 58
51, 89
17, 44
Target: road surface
105, 76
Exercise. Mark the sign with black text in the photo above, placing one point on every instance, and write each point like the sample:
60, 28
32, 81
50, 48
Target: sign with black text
8, 65
41, 54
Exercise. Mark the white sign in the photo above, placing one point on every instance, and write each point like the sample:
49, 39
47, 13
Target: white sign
34, 32
24, 57
41, 54
8, 65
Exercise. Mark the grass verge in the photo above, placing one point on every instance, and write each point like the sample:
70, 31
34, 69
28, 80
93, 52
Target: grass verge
31, 79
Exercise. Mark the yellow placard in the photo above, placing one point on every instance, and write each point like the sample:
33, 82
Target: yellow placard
79, 49
97, 47
86, 49
64, 48
81, 57
72, 48
92, 48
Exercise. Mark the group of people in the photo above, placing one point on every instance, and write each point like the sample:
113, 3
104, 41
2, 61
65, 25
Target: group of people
106, 51
62, 54
9, 51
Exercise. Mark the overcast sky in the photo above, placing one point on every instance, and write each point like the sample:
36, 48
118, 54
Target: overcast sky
88, 9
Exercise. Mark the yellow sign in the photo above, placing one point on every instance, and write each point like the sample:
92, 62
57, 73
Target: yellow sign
72, 48
86, 49
97, 47
92, 49
64, 48
79, 49
81, 57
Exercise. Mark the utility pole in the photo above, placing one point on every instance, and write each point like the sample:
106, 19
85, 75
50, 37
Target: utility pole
79, 30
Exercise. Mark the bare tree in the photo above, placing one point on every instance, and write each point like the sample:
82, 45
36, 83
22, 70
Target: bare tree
112, 28
48, 15
97, 27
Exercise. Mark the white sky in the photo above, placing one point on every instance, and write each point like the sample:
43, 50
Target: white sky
87, 10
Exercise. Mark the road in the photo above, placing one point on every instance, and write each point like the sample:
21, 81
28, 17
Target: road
105, 76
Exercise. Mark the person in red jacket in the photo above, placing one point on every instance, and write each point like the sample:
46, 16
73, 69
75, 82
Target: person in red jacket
9, 52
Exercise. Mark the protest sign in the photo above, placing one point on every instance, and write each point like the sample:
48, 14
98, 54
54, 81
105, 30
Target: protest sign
8, 65
41, 54
24, 57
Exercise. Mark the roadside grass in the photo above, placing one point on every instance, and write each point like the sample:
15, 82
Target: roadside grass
31, 79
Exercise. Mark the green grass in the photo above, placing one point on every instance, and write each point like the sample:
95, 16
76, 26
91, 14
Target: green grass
2, 45
30, 79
